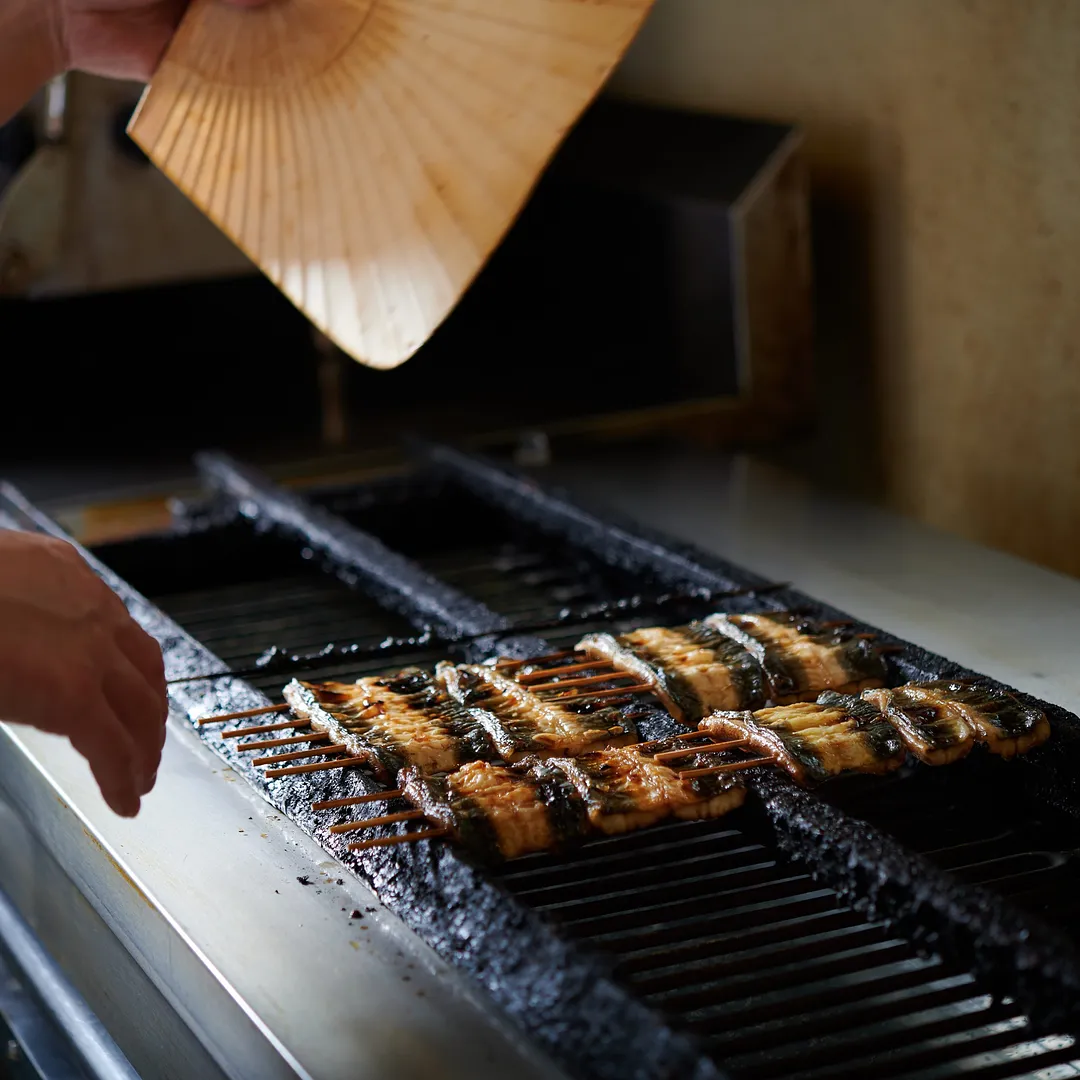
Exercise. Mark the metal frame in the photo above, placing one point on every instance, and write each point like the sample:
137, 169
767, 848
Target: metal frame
49, 1022
868, 858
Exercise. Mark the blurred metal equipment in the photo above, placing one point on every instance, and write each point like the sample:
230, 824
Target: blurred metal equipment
33, 209
85, 213
48, 1031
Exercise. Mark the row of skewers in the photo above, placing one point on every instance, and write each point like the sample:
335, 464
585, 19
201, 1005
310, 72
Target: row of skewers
513, 757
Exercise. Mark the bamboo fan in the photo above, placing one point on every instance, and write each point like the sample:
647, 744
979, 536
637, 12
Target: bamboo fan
369, 155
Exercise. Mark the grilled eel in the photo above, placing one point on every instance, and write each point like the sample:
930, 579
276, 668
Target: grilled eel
626, 789
502, 812
520, 722
393, 721
940, 721
694, 670
815, 741
799, 661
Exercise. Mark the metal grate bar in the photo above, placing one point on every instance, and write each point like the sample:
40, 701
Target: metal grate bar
790, 1035
877, 1038
1041, 1059
735, 953
625, 852
649, 893
838, 971
786, 1001
666, 932
765, 889
900, 1059
606, 886
735, 936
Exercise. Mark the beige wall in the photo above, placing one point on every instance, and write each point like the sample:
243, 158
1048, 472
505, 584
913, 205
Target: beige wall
944, 138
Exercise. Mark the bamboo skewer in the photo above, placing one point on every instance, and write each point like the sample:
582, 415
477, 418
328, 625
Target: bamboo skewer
356, 800
591, 680
401, 838
568, 669
244, 713
371, 823
292, 770
733, 766
296, 755
506, 665
236, 733
686, 751
598, 695
669, 738
269, 744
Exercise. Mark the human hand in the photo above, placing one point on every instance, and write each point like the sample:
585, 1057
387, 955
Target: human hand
73, 662
124, 39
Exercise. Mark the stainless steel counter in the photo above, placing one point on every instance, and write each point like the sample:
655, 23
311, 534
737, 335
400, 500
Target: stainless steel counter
188, 931
202, 891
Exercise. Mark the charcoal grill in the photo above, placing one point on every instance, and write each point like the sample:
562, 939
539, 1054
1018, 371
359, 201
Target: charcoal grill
917, 926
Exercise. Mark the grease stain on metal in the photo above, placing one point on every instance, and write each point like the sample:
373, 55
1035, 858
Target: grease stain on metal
119, 869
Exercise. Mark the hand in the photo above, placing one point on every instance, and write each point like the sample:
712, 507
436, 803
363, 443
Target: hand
124, 39
73, 662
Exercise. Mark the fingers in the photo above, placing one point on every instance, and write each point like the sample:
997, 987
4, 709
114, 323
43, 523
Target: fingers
75, 663
111, 753
123, 705
145, 653
136, 705
140, 697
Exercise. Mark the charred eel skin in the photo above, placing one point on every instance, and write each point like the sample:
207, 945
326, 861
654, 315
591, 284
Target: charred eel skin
693, 669
801, 660
520, 722
393, 721
815, 741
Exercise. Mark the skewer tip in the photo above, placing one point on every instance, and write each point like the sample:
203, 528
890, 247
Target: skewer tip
688, 751
319, 766
243, 714
733, 766
375, 822
401, 838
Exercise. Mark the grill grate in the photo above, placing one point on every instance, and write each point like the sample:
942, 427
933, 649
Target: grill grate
304, 613
950, 817
704, 921
746, 952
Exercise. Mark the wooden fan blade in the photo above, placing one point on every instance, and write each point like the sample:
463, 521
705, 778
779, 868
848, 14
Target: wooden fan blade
369, 155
